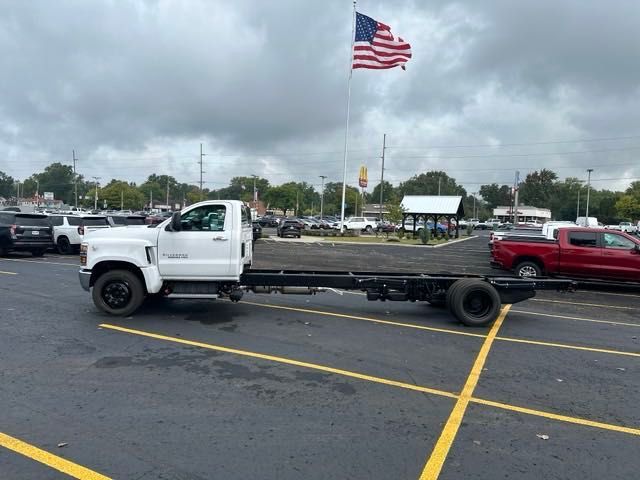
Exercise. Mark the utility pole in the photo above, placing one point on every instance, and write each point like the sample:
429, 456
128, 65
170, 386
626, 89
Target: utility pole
322, 196
474, 204
95, 200
439, 179
167, 193
384, 147
121, 200
151, 199
75, 180
515, 198
201, 172
589, 170
38, 192
297, 204
255, 192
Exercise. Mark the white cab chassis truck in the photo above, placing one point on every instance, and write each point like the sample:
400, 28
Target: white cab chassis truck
205, 252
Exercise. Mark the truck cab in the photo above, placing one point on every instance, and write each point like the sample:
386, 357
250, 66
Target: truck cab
193, 254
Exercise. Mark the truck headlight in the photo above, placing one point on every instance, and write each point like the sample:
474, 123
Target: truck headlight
84, 248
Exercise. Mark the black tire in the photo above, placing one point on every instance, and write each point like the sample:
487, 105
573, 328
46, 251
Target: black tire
298, 236
474, 303
64, 246
528, 269
39, 252
118, 292
451, 294
368, 229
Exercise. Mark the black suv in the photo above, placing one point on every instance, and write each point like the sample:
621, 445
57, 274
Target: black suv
290, 227
31, 232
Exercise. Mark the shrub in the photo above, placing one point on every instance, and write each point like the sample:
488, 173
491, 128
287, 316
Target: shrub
469, 230
401, 233
446, 236
424, 236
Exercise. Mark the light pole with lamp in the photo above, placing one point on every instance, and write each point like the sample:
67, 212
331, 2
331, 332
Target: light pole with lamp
322, 196
589, 170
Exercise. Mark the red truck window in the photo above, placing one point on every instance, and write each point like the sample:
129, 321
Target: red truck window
612, 240
583, 239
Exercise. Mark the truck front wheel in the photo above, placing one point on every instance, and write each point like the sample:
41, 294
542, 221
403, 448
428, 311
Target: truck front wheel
118, 292
528, 269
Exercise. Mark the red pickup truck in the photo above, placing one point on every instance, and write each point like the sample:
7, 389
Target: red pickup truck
576, 252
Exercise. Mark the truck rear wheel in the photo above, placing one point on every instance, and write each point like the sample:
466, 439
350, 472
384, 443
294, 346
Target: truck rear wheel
473, 302
528, 269
118, 292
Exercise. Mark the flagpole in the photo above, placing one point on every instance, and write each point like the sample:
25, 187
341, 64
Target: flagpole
346, 130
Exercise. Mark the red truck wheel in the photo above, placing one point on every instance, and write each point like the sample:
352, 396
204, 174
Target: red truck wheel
528, 269
473, 302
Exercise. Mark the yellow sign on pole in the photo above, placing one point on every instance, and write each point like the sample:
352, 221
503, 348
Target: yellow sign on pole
363, 177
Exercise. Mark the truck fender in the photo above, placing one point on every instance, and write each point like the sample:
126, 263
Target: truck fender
149, 275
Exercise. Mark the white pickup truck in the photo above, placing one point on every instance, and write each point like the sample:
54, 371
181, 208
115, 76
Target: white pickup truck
204, 251
360, 224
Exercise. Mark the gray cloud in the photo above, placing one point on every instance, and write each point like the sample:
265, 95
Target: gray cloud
136, 86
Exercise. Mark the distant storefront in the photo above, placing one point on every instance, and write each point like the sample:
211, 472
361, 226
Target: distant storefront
525, 214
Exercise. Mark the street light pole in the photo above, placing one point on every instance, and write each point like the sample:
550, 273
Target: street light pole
589, 170
255, 195
474, 204
322, 196
95, 200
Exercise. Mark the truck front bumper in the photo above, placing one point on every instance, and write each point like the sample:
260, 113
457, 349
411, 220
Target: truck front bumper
85, 279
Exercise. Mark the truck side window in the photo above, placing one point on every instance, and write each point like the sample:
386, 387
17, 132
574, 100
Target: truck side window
56, 221
612, 240
583, 239
208, 218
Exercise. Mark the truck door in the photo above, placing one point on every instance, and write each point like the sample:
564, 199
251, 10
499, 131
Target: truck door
580, 254
202, 249
620, 260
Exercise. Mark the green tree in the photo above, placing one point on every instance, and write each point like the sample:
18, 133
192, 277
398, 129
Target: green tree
427, 184
56, 178
7, 185
118, 191
538, 188
389, 193
495, 195
628, 206
634, 189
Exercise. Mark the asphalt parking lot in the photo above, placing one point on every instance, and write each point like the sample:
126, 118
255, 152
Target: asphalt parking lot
328, 386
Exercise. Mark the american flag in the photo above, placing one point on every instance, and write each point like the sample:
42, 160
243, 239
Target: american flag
376, 47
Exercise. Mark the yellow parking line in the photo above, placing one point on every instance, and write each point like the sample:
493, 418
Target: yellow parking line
39, 261
285, 360
366, 319
443, 445
58, 463
555, 416
580, 319
370, 378
570, 347
8, 273
582, 304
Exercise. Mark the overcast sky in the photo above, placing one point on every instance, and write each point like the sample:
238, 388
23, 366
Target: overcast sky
135, 87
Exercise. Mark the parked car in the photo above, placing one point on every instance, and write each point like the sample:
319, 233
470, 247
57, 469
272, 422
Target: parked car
310, 223
591, 222
126, 220
66, 236
29, 232
257, 230
482, 226
90, 223
577, 252
385, 227
290, 227
626, 227
268, 221
362, 224
156, 218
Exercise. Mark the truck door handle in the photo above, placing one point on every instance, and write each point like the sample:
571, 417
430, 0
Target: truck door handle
220, 239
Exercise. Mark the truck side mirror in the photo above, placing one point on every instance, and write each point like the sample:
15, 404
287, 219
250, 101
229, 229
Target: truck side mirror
176, 222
